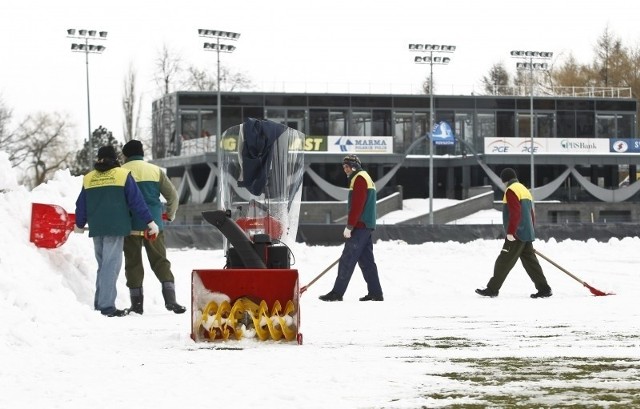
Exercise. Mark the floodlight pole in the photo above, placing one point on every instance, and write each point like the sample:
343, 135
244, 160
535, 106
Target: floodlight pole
219, 147
532, 124
219, 108
431, 60
217, 47
430, 137
84, 34
86, 59
530, 65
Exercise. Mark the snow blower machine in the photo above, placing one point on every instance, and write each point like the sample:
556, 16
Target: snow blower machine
256, 294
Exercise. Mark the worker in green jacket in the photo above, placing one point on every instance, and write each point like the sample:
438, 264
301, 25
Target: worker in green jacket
153, 183
108, 197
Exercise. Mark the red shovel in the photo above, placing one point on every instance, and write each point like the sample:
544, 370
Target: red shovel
593, 290
50, 225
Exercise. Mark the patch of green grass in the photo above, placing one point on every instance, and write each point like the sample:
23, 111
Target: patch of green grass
585, 382
543, 336
444, 343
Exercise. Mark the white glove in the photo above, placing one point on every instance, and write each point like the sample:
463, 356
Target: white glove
153, 229
347, 233
510, 237
77, 229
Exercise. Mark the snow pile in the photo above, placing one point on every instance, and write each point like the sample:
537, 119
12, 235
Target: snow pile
8, 178
41, 290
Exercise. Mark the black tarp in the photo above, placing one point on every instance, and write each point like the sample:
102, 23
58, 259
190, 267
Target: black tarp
259, 137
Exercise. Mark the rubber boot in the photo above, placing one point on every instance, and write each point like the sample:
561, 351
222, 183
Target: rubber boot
137, 299
169, 294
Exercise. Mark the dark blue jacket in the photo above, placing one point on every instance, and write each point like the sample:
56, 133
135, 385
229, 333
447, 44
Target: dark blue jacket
259, 137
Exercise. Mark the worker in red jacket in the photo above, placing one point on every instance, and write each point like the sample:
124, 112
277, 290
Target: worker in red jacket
518, 219
358, 249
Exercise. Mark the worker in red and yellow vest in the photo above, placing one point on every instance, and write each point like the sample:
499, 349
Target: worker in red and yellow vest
361, 221
518, 218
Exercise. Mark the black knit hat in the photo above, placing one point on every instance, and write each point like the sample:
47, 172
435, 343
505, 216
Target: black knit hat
132, 148
353, 161
107, 152
508, 174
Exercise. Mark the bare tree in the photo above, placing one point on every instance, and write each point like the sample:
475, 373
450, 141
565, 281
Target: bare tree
198, 79
234, 80
12, 142
42, 143
608, 51
497, 81
168, 67
632, 76
131, 103
613, 66
6, 136
538, 81
571, 73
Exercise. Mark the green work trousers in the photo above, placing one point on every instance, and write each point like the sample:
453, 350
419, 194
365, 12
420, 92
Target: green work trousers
509, 255
156, 254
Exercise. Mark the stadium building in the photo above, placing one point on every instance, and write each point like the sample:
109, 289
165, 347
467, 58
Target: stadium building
584, 148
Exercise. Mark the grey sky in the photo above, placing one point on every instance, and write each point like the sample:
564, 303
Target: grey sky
292, 45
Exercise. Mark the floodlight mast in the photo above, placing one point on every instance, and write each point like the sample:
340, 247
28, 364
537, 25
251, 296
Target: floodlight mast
431, 60
218, 48
531, 65
86, 48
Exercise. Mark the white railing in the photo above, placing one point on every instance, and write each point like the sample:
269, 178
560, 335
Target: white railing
577, 92
595, 92
442, 89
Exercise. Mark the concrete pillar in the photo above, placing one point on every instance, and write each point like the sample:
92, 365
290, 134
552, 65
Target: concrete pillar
593, 175
450, 187
466, 181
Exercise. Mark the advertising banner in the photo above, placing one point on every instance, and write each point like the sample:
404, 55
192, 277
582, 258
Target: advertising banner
625, 145
360, 144
442, 134
513, 146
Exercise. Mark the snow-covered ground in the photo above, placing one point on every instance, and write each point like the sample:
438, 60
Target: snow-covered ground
432, 343
488, 216
416, 207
